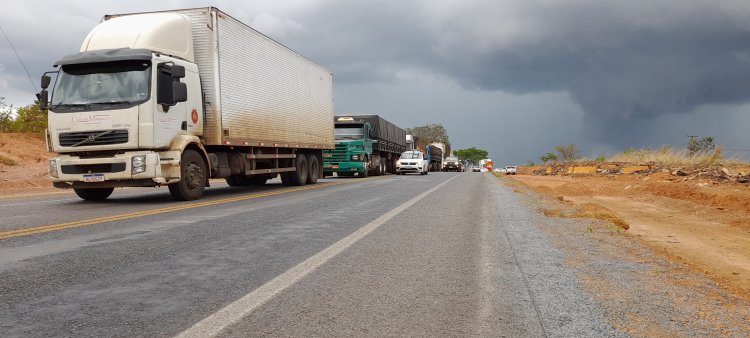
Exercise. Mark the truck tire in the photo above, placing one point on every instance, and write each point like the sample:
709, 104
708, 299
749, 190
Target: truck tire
257, 179
237, 181
193, 177
365, 172
299, 176
94, 194
313, 169
376, 167
383, 167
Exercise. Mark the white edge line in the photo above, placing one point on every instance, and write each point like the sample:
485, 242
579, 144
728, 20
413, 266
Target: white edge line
234, 312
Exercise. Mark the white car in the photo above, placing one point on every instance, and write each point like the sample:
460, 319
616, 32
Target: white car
412, 162
510, 170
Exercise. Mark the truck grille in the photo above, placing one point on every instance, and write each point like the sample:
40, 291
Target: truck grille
339, 154
93, 168
92, 138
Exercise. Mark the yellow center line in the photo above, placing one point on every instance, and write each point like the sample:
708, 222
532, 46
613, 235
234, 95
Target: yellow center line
82, 223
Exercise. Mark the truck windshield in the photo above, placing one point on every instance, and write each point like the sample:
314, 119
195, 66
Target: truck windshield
349, 133
101, 86
411, 155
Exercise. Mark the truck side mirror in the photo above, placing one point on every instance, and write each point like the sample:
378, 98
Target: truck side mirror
179, 92
178, 71
45, 81
169, 89
43, 98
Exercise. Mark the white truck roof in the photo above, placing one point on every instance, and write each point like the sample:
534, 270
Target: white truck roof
167, 33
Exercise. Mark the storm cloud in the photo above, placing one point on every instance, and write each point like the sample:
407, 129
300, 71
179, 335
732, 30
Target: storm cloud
619, 60
606, 74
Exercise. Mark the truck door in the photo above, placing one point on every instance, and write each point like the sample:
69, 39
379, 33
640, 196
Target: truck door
168, 120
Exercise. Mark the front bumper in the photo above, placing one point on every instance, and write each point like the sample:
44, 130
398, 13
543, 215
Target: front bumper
409, 168
334, 167
113, 171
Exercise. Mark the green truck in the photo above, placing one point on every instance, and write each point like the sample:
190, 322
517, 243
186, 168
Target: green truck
365, 145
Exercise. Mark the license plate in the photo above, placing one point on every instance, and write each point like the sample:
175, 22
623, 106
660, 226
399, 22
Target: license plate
93, 177
335, 166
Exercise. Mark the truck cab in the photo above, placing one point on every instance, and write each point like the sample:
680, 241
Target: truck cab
353, 151
121, 116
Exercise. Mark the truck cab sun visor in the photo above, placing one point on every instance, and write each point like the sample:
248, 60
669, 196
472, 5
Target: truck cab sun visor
105, 55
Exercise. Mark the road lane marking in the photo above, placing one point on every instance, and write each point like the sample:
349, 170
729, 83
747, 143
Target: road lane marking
234, 312
82, 223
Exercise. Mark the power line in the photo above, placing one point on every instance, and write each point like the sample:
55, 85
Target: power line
19, 59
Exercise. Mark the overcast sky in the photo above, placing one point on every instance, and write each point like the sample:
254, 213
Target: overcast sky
513, 77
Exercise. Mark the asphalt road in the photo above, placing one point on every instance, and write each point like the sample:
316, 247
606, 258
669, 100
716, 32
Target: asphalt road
444, 254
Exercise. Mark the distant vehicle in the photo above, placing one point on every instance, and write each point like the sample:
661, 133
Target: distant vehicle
365, 145
452, 164
485, 165
499, 170
412, 162
510, 170
475, 169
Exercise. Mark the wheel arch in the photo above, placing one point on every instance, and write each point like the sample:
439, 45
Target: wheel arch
191, 142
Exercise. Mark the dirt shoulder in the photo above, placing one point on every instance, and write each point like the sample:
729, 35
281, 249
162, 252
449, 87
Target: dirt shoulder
695, 220
23, 164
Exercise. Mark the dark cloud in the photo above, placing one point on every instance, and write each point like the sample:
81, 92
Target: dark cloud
624, 70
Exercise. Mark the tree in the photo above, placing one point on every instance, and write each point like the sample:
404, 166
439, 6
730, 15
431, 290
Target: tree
471, 155
430, 133
704, 145
548, 157
568, 153
30, 118
6, 117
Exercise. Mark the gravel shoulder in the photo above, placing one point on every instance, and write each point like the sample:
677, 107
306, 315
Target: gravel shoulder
641, 291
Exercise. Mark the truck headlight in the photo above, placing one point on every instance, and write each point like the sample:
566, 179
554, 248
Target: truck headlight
355, 157
53, 168
138, 164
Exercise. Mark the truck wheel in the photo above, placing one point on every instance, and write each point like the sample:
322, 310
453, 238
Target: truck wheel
383, 169
257, 180
193, 180
367, 169
376, 166
299, 176
237, 181
314, 169
94, 194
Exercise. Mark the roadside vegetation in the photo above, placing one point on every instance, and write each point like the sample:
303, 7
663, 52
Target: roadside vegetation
430, 133
471, 155
698, 152
27, 119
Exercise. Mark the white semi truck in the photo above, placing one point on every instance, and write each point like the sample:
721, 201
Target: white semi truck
177, 97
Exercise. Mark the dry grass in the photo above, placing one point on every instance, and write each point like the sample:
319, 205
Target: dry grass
670, 156
589, 210
8, 160
551, 212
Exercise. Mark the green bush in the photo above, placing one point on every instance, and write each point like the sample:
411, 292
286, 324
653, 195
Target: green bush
27, 119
